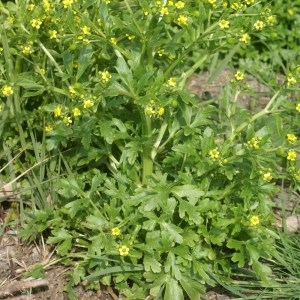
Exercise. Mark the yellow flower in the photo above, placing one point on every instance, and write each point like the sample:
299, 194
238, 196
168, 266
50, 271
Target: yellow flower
249, 2
105, 76
27, 49
290, 12
52, 34
76, 112
212, 2
214, 154
271, 20
179, 5
48, 128
172, 82
254, 143
254, 220
259, 25
30, 7
239, 75
245, 38
150, 111
114, 40
124, 250
57, 111
115, 231
291, 81
298, 107
164, 11
10, 20
223, 24
88, 103
46, 5
292, 155
291, 137
130, 37
36, 23
86, 30
267, 177
160, 111
67, 3
182, 20
7, 90
72, 90
67, 121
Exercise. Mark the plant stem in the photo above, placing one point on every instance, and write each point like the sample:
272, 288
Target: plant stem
261, 113
147, 162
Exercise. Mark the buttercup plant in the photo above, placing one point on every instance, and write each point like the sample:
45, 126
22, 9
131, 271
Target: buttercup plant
155, 193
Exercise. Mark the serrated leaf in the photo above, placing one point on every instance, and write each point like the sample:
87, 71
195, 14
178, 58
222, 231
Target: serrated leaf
185, 208
174, 231
193, 289
239, 257
188, 190
152, 264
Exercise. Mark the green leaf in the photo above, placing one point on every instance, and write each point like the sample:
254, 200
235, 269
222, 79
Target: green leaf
113, 270
85, 60
239, 257
37, 272
189, 191
152, 264
192, 288
174, 231
124, 71
173, 290
185, 208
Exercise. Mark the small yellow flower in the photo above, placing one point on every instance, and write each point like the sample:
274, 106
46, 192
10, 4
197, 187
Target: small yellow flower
212, 2
182, 20
259, 25
160, 111
86, 30
161, 52
7, 90
298, 107
249, 2
52, 34
291, 81
271, 20
224, 24
48, 128
72, 90
254, 220
164, 11
115, 231
36, 23
27, 49
292, 155
245, 38
267, 177
291, 137
57, 111
239, 75
10, 20
291, 12
124, 250
179, 5
88, 103
76, 112
67, 121
172, 82
114, 40
46, 5
254, 143
30, 7
67, 3
150, 111
214, 154
130, 37
105, 76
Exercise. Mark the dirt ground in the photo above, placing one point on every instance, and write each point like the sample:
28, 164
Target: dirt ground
17, 258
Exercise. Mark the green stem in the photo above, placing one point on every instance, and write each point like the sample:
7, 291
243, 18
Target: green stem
147, 162
157, 143
261, 113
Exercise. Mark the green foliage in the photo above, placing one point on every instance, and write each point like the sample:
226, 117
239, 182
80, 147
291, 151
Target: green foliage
140, 185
